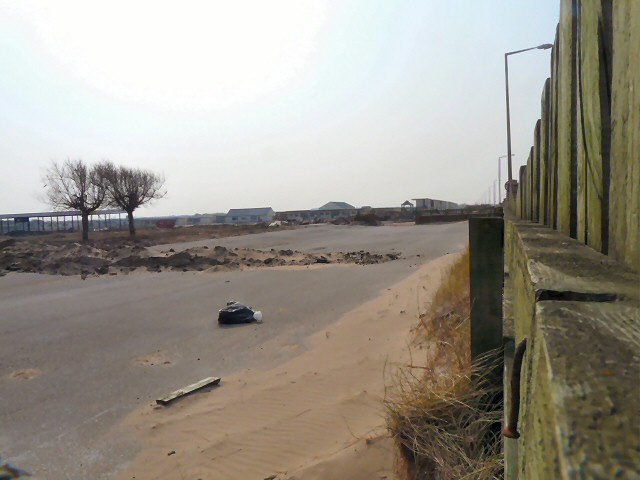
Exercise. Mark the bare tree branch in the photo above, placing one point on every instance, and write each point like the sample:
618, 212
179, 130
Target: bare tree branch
76, 186
131, 188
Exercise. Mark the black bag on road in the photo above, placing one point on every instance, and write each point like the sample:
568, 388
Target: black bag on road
235, 313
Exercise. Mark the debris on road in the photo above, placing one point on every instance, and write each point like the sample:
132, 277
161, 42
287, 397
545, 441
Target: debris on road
278, 223
8, 471
209, 381
127, 256
236, 313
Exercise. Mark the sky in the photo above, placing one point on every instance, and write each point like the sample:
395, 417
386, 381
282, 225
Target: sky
288, 104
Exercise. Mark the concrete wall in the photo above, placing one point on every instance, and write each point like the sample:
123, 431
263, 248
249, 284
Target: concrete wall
321, 215
433, 204
454, 217
238, 219
578, 309
572, 255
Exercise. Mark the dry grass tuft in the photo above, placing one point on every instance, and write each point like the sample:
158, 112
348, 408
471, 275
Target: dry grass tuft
443, 414
444, 328
448, 428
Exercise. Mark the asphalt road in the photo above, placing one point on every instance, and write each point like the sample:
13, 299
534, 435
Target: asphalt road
92, 342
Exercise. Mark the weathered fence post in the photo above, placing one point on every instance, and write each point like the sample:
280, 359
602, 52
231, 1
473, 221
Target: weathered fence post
566, 116
535, 176
486, 268
552, 172
624, 196
544, 154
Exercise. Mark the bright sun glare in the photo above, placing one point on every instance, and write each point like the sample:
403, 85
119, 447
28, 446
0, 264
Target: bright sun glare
187, 55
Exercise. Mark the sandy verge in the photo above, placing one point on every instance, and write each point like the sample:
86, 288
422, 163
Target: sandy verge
317, 416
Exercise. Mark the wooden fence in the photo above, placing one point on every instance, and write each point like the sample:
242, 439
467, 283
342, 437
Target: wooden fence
582, 176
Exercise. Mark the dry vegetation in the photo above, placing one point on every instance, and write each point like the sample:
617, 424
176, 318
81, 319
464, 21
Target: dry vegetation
443, 413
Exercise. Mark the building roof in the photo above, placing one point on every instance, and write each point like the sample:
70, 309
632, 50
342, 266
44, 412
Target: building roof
407, 203
251, 211
433, 199
336, 206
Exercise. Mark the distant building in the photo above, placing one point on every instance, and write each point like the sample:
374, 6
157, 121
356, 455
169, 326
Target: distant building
332, 210
325, 213
337, 206
432, 204
250, 215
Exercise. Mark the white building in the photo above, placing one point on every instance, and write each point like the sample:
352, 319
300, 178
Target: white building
250, 215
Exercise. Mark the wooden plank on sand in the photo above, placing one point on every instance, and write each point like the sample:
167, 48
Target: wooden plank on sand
209, 381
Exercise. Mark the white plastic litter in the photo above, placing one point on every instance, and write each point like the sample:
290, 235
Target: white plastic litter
257, 315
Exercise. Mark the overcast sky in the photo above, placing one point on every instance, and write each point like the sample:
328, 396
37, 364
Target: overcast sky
288, 104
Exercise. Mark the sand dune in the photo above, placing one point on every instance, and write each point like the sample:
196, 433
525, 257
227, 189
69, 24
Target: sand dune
318, 416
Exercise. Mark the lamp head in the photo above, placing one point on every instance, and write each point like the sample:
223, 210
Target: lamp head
545, 46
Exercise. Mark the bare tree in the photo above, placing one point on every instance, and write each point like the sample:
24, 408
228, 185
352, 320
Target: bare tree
130, 188
75, 185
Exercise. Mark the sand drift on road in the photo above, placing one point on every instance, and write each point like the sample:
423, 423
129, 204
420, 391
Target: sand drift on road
129, 256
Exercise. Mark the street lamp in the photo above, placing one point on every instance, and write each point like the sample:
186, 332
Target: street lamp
544, 46
500, 176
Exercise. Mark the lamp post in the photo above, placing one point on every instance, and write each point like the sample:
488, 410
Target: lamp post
544, 46
500, 176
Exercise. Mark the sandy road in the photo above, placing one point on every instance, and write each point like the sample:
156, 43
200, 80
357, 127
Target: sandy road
409, 239
77, 356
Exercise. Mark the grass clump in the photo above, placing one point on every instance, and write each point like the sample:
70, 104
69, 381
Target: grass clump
444, 330
445, 413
